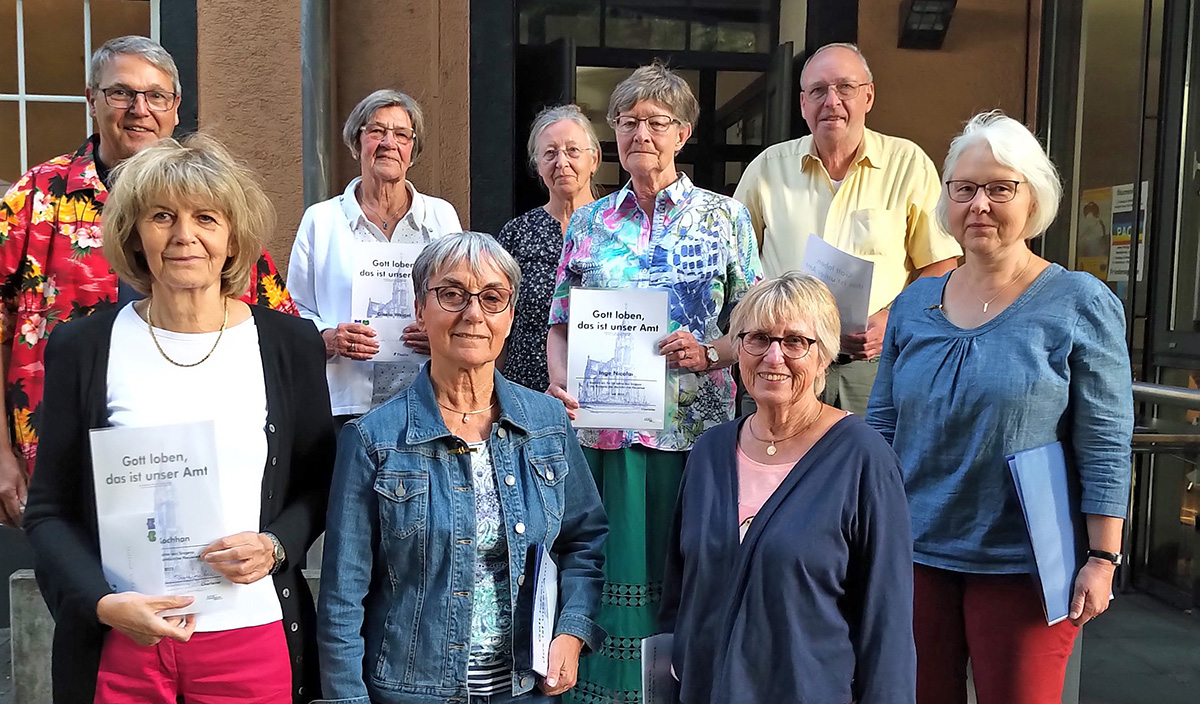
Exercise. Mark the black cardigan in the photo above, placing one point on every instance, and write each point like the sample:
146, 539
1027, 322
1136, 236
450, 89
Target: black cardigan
61, 516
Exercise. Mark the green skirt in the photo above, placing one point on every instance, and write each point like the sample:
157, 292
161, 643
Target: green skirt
638, 486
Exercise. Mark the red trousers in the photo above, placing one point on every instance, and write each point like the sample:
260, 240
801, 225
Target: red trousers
242, 666
995, 620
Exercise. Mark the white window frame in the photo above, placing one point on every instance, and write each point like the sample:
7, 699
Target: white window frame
22, 98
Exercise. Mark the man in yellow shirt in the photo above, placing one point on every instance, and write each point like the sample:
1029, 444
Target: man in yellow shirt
863, 192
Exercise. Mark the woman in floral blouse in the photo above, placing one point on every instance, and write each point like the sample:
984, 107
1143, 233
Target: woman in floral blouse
565, 151
658, 231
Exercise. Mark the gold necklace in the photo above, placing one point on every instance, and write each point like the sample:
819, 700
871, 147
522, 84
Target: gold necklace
467, 414
150, 319
988, 302
771, 449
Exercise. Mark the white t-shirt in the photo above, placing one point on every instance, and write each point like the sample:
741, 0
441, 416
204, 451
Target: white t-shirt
144, 389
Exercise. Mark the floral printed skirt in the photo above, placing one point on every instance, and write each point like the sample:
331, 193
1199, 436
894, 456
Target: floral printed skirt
638, 486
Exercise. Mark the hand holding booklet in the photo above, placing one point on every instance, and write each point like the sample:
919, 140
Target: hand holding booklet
158, 506
541, 566
1040, 476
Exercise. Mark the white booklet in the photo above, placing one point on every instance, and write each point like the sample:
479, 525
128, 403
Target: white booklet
383, 296
659, 685
158, 505
614, 369
545, 609
848, 278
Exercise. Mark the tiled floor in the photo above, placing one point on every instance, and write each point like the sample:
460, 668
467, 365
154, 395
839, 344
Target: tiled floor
1140, 652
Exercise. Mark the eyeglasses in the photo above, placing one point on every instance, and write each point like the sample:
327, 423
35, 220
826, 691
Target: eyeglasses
573, 153
156, 100
1002, 191
378, 132
844, 91
792, 346
626, 124
455, 299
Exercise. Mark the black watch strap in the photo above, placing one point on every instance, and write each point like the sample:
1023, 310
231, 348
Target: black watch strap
1113, 557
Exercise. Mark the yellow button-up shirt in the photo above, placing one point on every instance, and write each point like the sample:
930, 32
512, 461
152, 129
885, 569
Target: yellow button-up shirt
883, 210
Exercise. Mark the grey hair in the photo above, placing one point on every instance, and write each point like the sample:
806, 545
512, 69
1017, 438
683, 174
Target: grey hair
380, 99
132, 45
553, 114
1014, 147
658, 83
787, 298
474, 248
840, 45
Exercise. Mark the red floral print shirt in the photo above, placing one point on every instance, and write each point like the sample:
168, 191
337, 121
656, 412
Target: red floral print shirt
52, 269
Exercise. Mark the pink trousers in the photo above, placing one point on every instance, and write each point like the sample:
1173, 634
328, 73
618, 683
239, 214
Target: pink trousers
242, 666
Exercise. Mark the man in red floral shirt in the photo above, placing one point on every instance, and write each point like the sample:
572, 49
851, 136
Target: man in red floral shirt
52, 265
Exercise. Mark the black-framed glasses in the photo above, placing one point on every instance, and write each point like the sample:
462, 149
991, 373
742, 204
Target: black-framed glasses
123, 98
374, 130
627, 124
455, 299
792, 346
1001, 191
844, 91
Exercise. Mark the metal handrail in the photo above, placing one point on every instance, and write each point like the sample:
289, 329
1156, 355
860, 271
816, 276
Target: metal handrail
1166, 395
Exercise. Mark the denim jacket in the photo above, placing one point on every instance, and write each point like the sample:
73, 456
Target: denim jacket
398, 577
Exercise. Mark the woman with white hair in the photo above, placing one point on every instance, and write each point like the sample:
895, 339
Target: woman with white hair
385, 133
1006, 353
565, 152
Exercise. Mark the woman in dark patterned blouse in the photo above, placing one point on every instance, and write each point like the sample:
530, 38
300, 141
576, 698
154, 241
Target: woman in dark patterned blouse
565, 151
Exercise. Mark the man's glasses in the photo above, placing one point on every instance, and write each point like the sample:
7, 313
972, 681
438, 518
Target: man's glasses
1002, 191
792, 346
377, 132
123, 98
844, 91
455, 299
627, 124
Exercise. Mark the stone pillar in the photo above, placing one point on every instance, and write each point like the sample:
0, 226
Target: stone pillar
32, 636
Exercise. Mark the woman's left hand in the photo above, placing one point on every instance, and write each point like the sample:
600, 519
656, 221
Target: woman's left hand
683, 351
242, 558
564, 665
1093, 587
415, 339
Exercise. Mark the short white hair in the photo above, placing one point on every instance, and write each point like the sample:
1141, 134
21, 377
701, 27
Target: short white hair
1014, 147
133, 45
839, 45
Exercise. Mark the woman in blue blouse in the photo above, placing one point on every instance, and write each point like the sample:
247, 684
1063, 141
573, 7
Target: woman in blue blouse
1006, 353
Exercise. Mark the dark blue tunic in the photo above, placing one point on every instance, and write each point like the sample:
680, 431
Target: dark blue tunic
816, 605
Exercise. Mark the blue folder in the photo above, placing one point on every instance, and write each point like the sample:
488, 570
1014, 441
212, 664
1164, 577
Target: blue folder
1040, 476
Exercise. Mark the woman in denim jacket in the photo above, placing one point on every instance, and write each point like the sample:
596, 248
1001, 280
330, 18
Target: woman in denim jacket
438, 497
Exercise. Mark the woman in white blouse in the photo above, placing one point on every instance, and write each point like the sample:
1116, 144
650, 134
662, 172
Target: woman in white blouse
385, 133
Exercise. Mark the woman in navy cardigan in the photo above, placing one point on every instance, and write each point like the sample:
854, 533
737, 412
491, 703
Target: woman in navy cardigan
789, 575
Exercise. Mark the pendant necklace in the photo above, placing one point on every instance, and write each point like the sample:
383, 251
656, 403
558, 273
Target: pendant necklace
467, 414
771, 449
150, 320
1016, 278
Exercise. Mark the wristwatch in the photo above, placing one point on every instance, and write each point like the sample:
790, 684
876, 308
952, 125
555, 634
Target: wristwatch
1113, 557
278, 552
710, 354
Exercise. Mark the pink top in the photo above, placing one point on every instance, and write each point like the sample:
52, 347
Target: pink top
756, 483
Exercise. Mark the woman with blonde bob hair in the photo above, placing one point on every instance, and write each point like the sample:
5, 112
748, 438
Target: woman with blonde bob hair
1006, 353
820, 565
184, 225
